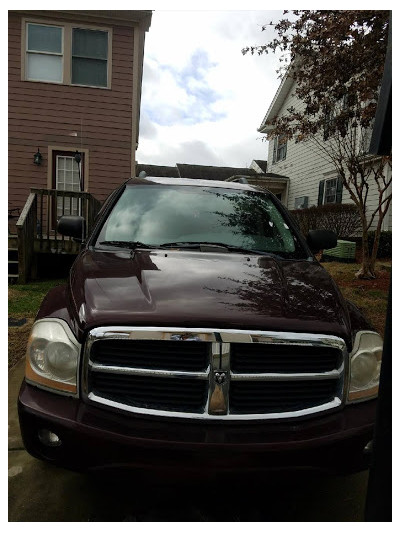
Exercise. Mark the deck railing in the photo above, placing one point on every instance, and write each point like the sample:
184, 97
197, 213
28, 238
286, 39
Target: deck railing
52, 204
26, 234
37, 224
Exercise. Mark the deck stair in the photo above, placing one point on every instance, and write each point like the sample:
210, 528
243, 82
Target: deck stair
12, 265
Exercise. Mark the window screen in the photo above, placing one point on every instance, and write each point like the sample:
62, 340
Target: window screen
44, 53
89, 57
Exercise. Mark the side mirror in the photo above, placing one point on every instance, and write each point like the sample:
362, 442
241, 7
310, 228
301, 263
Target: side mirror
72, 226
321, 239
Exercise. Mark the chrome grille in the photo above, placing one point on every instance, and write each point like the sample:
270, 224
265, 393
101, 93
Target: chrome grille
207, 374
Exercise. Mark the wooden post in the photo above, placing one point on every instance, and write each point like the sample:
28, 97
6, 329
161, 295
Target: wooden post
26, 230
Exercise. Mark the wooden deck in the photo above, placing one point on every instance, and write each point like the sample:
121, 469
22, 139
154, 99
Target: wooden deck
36, 228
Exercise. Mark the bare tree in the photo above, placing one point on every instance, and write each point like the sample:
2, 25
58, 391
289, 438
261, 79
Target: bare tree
358, 171
337, 59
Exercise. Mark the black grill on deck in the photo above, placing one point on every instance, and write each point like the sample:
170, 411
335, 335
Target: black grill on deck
189, 356
283, 358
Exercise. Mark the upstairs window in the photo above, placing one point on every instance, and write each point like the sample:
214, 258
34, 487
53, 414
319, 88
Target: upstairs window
365, 139
280, 148
89, 57
44, 53
336, 116
329, 124
67, 54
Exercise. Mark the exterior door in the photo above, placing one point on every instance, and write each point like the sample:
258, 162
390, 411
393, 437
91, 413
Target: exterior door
67, 176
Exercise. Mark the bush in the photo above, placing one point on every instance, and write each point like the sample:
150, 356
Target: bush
343, 219
385, 244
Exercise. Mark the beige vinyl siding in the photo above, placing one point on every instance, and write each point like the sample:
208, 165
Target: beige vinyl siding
305, 167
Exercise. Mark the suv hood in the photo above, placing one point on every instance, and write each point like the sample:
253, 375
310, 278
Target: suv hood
200, 289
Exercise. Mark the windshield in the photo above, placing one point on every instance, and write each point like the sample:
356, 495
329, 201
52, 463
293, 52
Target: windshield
159, 214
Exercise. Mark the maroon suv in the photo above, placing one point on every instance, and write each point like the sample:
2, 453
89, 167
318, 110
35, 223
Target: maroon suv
197, 331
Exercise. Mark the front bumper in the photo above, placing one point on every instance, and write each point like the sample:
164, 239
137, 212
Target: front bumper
95, 438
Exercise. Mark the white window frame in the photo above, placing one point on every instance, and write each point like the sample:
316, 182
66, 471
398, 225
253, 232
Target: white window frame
75, 205
67, 28
303, 203
279, 149
77, 27
51, 149
39, 52
330, 192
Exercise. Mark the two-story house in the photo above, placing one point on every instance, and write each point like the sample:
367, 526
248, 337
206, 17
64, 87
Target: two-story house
75, 81
312, 177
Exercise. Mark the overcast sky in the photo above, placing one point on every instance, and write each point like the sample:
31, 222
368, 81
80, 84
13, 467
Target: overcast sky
202, 100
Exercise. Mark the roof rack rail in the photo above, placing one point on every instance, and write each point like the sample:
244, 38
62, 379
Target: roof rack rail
238, 179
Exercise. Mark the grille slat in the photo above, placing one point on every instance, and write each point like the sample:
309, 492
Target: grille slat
162, 355
263, 358
269, 396
152, 393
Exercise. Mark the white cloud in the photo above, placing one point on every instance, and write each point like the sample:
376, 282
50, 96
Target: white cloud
203, 100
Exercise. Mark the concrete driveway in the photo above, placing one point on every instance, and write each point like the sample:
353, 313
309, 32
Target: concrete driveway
41, 492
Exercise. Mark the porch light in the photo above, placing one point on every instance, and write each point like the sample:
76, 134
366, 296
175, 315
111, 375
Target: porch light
37, 158
77, 157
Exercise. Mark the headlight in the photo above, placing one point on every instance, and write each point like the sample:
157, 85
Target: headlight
52, 355
365, 366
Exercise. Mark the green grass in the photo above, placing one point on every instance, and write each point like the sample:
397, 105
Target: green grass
24, 300
378, 294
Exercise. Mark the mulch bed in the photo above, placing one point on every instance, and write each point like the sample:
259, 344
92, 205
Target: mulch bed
17, 341
381, 282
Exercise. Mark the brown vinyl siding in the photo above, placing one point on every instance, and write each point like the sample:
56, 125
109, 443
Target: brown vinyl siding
46, 114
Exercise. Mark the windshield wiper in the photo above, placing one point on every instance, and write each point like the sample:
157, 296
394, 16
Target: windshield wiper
195, 244
132, 245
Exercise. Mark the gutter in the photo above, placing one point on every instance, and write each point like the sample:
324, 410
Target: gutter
278, 100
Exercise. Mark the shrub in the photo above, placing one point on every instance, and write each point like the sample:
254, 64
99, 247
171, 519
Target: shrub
343, 219
385, 244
